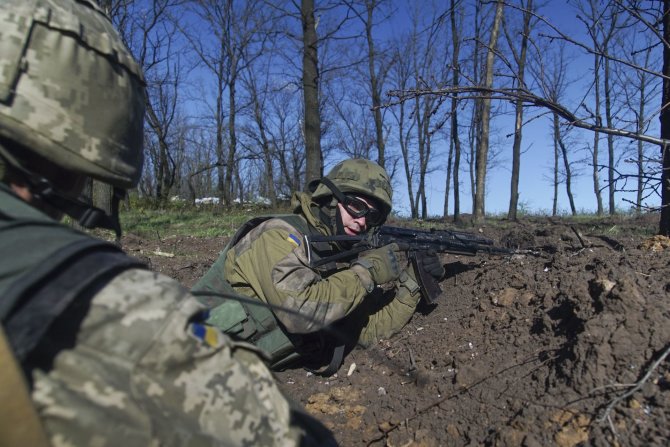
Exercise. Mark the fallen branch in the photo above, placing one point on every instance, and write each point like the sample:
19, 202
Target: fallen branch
635, 387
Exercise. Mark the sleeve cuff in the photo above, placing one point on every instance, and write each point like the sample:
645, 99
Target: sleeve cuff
364, 276
408, 282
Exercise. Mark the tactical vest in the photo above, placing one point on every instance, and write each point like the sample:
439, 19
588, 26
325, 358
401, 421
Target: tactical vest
253, 323
44, 267
256, 323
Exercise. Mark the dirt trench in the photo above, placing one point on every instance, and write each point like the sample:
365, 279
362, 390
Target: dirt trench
563, 344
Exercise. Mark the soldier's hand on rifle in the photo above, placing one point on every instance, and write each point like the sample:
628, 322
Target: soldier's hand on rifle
381, 263
433, 264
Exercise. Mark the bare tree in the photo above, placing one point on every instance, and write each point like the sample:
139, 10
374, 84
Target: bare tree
608, 31
483, 147
455, 21
377, 66
401, 74
148, 32
601, 24
354, 133
519, 77
475, 128
310, 86
236, 27
639, 88
647, 16
287, 139
428, 121
665, 124
552, 76
259, 133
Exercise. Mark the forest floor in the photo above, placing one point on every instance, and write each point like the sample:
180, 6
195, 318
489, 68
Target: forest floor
564, 345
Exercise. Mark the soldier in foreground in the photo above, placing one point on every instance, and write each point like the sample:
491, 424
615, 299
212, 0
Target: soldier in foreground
94, 348
271, 260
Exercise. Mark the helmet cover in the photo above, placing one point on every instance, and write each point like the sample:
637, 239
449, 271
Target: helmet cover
358, 176
70, 90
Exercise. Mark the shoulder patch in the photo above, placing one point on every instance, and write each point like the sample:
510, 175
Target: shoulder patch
206, 333
294, 239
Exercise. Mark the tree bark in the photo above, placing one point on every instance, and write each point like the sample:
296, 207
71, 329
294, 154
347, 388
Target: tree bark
556, 135
310, 83
455, 139
483, 148
566, 165
518, 116
611, 183
641, 117
664, 225
375, 87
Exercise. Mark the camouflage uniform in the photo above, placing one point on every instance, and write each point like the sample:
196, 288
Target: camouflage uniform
142, 369
128, 361
270, 263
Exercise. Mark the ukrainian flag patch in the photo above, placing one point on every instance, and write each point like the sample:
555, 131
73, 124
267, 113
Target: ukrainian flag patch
293, 239
208, 334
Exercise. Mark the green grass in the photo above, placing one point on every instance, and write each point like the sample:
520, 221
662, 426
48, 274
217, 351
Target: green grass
207, 222
214, 221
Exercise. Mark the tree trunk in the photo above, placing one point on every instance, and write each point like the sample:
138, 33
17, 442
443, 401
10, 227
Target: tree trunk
447, 181
421, 141
267, 152
375, 87
516, 162
640, 146
483, 148
231, 163
610, 139
455, 140
518, 117
664, 226
404, 148
566, 165
596, 136
556, 129
310, 83
220, 164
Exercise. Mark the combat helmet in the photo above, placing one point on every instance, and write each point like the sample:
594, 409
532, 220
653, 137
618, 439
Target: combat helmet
356, 176
70, 92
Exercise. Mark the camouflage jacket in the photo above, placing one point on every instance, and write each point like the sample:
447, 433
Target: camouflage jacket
131, 365
270, 263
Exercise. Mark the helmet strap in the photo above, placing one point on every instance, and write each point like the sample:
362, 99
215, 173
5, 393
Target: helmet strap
88, 216
334, 189
339, 226
334, 216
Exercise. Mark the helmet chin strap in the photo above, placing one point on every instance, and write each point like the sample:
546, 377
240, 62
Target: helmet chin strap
88, 216
333, 218
330, 215
338, 221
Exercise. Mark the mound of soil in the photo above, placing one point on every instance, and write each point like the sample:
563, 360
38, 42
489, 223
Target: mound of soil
562, 344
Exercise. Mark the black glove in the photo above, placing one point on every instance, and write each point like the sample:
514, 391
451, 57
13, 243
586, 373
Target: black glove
433, 265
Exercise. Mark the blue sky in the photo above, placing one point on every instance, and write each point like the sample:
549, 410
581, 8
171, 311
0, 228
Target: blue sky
537, 147
536, 190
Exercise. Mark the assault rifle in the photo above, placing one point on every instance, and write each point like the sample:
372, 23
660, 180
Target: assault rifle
416, 242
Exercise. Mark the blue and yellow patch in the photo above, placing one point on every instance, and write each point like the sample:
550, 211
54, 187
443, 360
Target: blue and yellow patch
206, 333
293, 239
